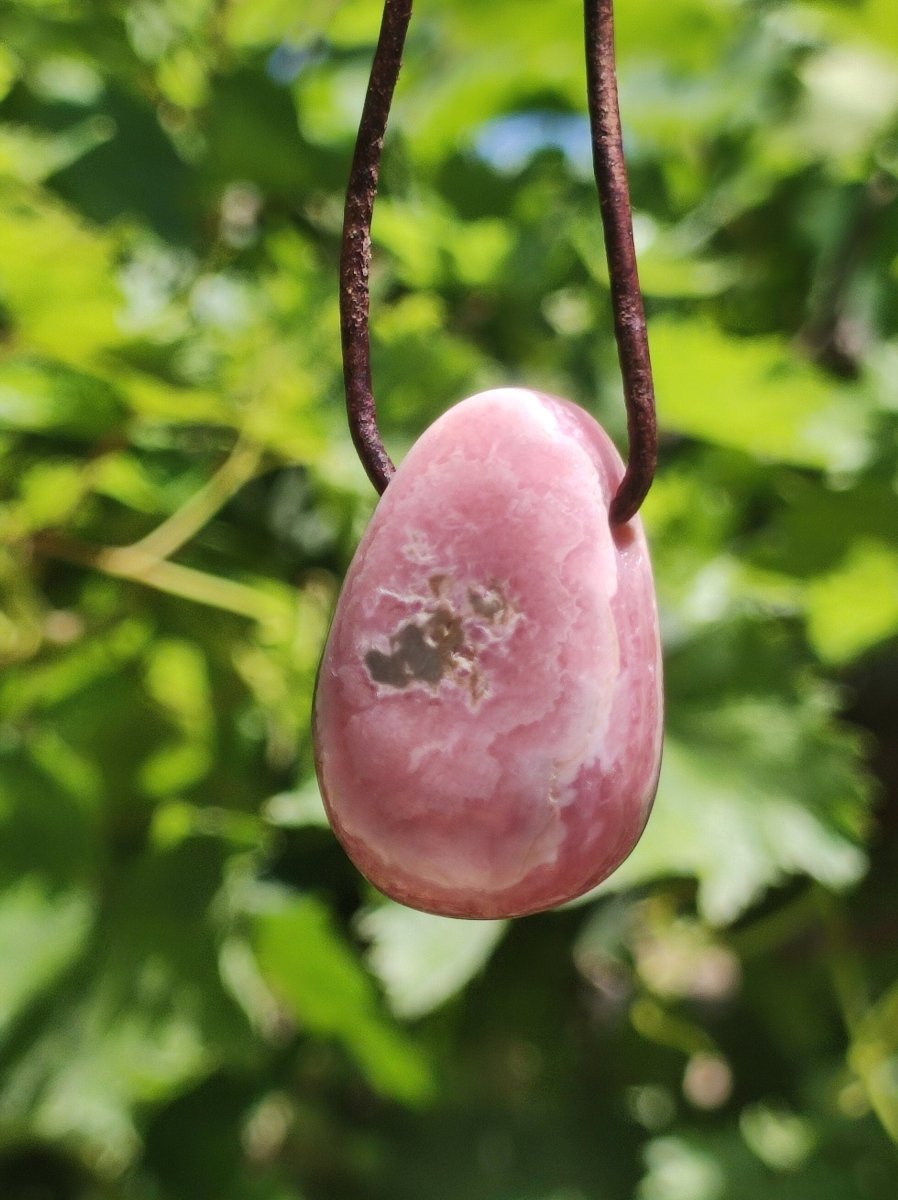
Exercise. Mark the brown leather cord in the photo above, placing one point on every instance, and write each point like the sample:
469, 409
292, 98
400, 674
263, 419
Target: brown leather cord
617, 220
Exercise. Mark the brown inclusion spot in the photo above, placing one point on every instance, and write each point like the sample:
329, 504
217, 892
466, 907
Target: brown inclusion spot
488, 602
419, 653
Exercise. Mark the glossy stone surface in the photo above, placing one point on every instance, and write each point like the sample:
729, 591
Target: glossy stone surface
488, 717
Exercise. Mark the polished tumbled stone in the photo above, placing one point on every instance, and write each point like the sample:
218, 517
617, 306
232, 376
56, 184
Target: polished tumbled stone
488, 717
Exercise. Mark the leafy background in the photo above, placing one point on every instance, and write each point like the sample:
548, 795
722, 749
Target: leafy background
199, 997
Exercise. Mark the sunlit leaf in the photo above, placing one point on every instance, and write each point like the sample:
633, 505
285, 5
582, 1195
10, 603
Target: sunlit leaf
713, 822
423, 960
321, 982
31, 157
297, 809
45, 397
874, 21
41, 931
756, 395
723, 1166
58, 287
757, 783
856, 605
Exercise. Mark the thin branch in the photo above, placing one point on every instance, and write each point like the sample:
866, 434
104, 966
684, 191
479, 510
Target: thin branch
146, 561
626, 296
197, 511
130, 563
355, 261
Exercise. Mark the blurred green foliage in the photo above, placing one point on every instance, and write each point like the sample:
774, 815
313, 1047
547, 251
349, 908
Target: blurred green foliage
199, 997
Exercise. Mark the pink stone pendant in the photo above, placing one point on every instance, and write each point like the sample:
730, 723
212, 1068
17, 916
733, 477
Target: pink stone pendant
488, 718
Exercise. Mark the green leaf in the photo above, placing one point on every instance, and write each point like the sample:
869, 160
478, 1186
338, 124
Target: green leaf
42, 929
873, 20
31, 157
177, 680
50, 492
754, 394
724, 1166
9, 70
757, 784
430, 246
423, 960
325, 987
855, 606
297, 809
714, 822
144, 1015
59, 287
49, 398
873, 1055
849, 104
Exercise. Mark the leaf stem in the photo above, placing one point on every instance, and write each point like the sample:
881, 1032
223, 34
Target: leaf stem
196, 512
134, 564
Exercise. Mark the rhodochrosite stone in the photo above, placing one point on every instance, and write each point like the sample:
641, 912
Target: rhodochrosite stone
488, 714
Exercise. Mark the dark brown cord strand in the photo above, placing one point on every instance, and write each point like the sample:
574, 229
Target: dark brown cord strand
355, 259
626, 296
617, 220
